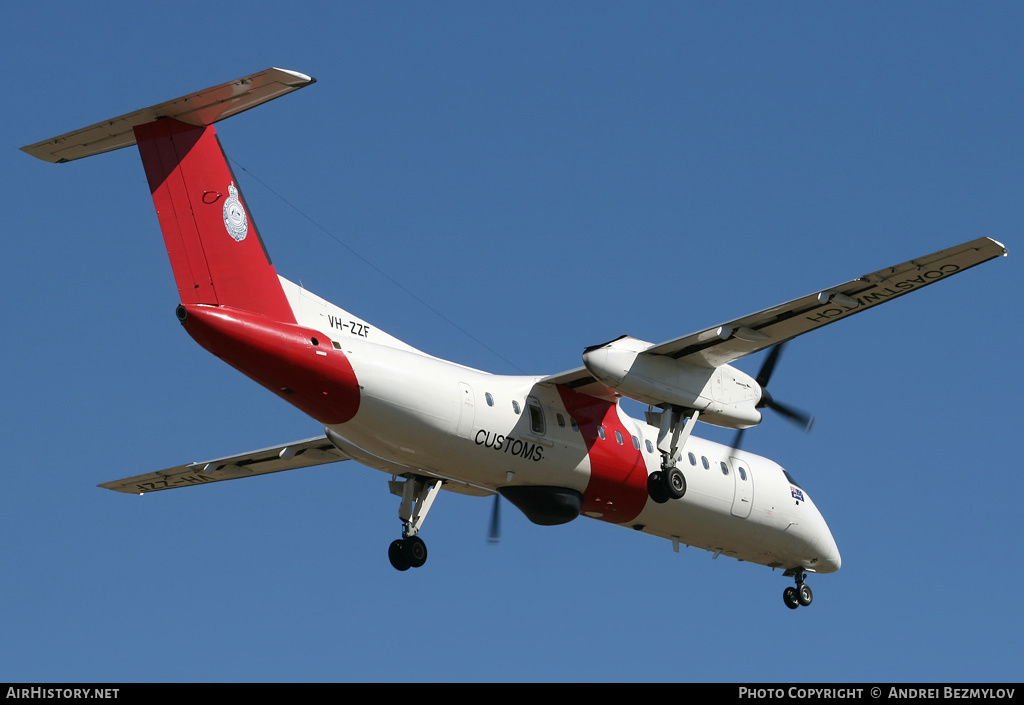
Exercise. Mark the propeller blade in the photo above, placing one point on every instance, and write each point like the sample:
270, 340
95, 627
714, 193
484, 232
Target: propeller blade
800, 417
495, 534
764, 375
768, 366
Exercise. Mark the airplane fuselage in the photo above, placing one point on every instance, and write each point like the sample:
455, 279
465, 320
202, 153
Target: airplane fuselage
479, 431
404, 412
494, 431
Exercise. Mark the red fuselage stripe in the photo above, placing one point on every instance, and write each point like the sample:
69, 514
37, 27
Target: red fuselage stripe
298, 364
617, 491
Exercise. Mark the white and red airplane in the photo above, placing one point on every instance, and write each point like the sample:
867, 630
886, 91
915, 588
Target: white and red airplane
556, 446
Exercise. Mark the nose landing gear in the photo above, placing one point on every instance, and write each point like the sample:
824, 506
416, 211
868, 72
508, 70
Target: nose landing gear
801, 594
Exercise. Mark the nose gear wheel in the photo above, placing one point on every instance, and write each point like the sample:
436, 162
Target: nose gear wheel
799, 595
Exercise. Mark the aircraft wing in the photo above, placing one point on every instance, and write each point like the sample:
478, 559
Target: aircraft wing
301, 454
581, 380
727, 342
744, 336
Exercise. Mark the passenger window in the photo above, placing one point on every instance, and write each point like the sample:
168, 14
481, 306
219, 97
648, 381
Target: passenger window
618, 438
515, 406
489, 398
561, 420
650, 446
693, 460
704, 460
743, 473
636, 442
536, 416
572, 422
725, 469
600, 431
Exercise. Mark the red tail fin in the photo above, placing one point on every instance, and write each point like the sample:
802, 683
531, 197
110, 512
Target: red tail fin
216, 252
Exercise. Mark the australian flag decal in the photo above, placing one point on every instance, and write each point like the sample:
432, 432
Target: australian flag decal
798, 495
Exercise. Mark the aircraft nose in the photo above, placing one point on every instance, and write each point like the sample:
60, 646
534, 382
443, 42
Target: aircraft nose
833, 561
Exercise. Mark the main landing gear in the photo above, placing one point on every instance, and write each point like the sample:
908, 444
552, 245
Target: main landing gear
665, 484
669, 482
417, 494
407, 553
801, 594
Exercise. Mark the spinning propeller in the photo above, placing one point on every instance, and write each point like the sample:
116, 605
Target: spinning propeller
768, 402
495, 533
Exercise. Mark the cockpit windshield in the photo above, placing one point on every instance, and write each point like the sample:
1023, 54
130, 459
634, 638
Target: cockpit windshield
791, 480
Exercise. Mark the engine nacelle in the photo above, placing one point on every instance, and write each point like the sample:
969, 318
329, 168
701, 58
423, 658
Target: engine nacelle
724, 395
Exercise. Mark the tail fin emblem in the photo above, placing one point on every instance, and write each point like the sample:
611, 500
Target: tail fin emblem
235, 220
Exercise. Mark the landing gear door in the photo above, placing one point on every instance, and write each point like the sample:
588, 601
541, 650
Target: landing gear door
743, 494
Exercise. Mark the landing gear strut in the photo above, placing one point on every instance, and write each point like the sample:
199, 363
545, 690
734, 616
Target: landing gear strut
801, 594
417, 494
669, 482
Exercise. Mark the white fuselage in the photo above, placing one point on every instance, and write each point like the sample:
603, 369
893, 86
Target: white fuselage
480, 432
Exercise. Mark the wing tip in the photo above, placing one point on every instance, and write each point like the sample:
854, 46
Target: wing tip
298, 79
1000, 245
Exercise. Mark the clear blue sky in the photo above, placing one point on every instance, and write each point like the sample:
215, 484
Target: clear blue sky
549, 176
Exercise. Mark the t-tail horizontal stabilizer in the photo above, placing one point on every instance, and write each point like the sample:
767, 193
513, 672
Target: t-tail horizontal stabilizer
198, 109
